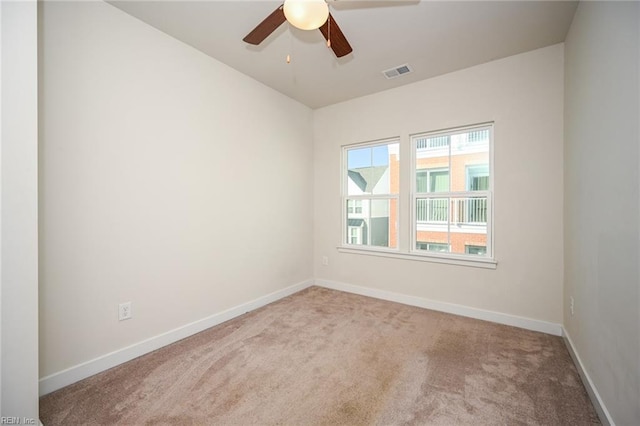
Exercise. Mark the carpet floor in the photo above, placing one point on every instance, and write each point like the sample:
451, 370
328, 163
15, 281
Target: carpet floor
324, 357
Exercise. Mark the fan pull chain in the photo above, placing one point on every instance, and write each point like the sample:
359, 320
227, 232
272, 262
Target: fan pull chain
290, 47
329, 31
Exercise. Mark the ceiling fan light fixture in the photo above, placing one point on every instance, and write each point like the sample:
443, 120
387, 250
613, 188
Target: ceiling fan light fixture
306, 14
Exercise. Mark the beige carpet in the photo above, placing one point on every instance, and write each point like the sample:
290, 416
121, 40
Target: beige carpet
323, 357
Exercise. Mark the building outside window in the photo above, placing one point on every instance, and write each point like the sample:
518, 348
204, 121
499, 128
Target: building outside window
476, 250
354, 206
355, 234
437, 247
432, 180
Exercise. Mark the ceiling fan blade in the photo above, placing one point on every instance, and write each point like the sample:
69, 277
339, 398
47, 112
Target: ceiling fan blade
266, 27
339, 42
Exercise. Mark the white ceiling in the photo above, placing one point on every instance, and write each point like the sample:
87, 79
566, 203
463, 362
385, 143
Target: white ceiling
433, 37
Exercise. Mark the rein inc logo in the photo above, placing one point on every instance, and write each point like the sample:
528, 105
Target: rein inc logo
17, 421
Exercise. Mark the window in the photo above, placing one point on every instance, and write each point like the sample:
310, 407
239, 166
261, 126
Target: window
452, 193
439, 247
432, 180
478, 177
354, 206
479, 250
370, 194
448, 191
355, 234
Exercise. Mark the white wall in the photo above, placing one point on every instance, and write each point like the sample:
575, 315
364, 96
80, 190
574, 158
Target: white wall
602, 198
523, 95
19, 201
167, 179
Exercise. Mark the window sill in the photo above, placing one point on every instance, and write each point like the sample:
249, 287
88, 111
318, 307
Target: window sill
474, 263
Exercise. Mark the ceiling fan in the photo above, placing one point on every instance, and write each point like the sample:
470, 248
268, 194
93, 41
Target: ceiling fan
306, 15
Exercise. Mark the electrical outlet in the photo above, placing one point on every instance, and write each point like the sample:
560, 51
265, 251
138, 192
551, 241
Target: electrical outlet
571, 305
124, 311
325, 260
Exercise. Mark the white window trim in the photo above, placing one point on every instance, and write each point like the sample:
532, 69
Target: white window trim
488, 262
450, 258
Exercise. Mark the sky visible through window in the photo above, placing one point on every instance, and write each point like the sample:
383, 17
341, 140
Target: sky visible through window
368, 157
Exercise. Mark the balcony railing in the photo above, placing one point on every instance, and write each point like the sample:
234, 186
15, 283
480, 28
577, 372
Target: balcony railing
472, 210
459, 141
478, 136
433, 142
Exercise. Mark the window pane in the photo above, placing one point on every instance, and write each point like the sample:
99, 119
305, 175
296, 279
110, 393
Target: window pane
373, 170
372, 222
465, 155
460, 222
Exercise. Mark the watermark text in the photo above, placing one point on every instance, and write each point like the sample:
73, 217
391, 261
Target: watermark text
17, 421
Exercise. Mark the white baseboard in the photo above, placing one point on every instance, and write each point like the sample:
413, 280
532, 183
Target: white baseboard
597, 402
89, 368
86, 369
465, 311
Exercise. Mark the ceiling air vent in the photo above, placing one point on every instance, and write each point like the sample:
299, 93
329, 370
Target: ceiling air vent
397, 71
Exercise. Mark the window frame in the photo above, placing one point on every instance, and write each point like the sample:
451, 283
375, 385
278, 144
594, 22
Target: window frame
414, 195
407, 231
345, 197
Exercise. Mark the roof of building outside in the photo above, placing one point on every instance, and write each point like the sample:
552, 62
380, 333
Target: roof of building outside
367, 177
